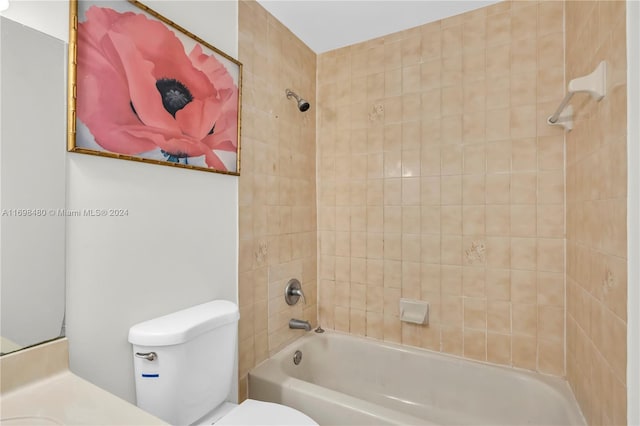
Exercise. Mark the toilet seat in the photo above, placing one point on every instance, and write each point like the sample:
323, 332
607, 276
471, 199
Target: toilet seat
252, 412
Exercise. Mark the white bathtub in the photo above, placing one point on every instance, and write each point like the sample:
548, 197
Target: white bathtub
345, 380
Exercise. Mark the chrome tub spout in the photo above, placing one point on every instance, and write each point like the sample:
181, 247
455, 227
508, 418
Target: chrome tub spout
299, 324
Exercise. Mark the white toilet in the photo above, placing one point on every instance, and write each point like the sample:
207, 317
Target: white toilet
184, 370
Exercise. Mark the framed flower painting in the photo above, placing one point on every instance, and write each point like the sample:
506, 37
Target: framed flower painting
143, 88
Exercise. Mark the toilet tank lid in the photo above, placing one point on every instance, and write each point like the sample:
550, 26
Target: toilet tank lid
184, 325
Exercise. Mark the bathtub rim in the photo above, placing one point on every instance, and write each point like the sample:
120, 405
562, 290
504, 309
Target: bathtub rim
556, 384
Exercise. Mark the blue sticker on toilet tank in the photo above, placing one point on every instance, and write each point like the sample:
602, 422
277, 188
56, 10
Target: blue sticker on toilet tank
150, 376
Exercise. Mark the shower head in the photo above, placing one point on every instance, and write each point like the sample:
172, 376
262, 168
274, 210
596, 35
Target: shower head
303, 105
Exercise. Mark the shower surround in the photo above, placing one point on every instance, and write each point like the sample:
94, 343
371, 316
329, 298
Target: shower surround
440, 180
277, 187
597, 216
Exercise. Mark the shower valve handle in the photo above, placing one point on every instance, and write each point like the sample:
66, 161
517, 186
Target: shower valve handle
293, 292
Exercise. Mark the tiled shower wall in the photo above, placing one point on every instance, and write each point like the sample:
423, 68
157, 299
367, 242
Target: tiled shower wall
596, 215
440, 180
277, 186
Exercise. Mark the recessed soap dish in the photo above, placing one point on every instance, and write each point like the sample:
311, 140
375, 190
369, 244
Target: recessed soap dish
414, 311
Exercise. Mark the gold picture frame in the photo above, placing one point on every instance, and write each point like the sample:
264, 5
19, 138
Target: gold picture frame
143, 88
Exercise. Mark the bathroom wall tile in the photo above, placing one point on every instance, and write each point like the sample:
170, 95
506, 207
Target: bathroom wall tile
499, 316
524, 319
431, 43
498, 253
451, 68
473, 281
273, 234
473, 189
499, 29
475, 313
430, 249
550, 16
523, 87
451, 40
411, 191
451, 190
430, 219
498, 90
475, 344
474, 94
550, 82
451, 129
524, 155
521, 124
430, 337
451, 160
452, 310
474, 159
411, 248
430, 280
550, 254
375, 325
451, 250
341, 319
451, 279
474, 126
473, 63
357, 322
411, 334
550, 220
499, 156
498, 188
523, 253
473, 224
523, 220
550, 187
411, 157
452, 339
375, 271
523, 351
498, 220
374, 298
497, 122
523, 287
458, 154
550, 153
499, 284
550, 287
550, 323
392, 329
499, 348
551, 357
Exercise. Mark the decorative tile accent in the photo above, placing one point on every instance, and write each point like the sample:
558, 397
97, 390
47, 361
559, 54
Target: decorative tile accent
261, 253
476, 253
377, 112
609, 281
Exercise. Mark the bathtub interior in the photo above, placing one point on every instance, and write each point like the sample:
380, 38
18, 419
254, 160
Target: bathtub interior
431, 386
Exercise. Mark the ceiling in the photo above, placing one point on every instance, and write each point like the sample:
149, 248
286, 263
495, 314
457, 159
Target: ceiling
325, 25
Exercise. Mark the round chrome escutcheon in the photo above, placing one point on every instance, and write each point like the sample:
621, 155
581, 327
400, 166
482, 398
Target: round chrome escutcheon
297, 357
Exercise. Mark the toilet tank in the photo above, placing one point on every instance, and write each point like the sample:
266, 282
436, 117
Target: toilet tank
192, 370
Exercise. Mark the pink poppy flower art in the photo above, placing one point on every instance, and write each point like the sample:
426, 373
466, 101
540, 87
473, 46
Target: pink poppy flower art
148, 90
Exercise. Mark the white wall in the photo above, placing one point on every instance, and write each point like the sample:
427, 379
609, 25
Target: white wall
178, 245
633, 212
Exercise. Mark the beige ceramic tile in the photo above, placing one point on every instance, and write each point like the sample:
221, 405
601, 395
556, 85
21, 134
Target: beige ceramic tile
523, 351
452, 339
499, 348
480, 79
475, 344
